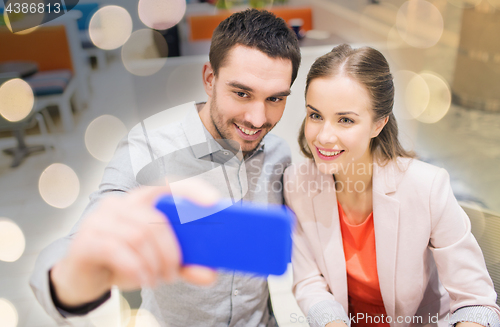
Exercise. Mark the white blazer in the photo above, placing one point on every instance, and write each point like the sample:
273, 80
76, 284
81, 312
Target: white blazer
427, 259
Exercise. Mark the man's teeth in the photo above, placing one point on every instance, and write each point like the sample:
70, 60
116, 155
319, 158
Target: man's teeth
328, 153
246, 131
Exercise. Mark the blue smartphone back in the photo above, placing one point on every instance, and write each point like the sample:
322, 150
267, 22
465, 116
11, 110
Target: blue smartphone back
245, 237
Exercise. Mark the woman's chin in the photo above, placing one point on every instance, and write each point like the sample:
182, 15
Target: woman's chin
326, 168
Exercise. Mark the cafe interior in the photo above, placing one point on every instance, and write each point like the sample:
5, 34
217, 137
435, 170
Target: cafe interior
73, 82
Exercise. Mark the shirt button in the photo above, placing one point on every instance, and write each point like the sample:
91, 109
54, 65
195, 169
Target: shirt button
226, 153
236, 292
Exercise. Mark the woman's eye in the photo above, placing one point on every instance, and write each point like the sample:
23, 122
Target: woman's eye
315, 116
346, 120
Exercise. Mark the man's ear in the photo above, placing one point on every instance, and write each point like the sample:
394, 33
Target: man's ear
379, 125
208, 78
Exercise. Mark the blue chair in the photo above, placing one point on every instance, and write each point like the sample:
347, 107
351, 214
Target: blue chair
87, 10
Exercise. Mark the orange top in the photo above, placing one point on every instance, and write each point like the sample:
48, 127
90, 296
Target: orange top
361, 265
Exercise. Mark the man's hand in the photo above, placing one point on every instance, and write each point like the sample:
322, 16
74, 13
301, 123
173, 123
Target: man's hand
126, 242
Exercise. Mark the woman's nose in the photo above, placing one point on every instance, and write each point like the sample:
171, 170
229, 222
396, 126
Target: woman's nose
327, 134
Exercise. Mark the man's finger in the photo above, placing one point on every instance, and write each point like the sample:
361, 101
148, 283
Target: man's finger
198, 275
148, 195
196, 190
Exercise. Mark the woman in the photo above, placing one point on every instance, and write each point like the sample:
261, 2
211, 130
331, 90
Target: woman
379, 235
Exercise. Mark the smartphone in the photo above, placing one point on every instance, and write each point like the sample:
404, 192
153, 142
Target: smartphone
246, 237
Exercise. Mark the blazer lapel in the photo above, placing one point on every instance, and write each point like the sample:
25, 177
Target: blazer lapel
330, 237
386, 224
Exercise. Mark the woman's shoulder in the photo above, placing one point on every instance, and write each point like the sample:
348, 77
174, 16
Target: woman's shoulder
303, 178
301, 171
417, 172
413, 165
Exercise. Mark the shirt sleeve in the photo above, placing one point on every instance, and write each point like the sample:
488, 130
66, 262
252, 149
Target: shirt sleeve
68, 312
459, 259
477, 314
118, 179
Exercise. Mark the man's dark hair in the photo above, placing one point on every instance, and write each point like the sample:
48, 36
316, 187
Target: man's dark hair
257, 29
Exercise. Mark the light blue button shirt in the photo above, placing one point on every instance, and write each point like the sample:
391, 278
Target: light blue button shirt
179, 151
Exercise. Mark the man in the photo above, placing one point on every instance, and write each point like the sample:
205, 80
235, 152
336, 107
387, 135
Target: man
124, 241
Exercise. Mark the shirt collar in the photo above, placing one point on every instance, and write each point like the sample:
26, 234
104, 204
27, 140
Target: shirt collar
200, 140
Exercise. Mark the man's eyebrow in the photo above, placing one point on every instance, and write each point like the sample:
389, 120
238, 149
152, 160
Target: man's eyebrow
249, 89
240, 86
337, 113
282, 93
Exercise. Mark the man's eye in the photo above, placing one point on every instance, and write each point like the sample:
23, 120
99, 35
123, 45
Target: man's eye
274, 99
242, 94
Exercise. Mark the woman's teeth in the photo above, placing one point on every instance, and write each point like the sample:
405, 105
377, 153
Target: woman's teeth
246, 131
328, 153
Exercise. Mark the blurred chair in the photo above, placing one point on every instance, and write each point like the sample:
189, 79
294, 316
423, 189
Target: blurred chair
21, 150
486, 229
88, 10
55, 83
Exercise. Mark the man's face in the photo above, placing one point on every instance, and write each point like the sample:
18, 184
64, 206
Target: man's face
249, 96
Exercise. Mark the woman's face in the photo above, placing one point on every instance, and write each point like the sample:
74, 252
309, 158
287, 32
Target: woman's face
339, 124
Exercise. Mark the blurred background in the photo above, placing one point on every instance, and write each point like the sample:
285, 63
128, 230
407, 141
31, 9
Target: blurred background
71, 87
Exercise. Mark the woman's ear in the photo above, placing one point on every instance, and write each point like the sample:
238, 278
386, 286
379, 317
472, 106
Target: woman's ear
208, 78
379, 125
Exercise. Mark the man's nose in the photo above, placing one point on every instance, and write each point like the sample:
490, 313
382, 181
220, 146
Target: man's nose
256, 115
327, 134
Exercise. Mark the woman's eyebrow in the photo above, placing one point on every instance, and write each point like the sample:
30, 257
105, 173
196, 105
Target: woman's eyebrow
337, 113
346, 113
309, 106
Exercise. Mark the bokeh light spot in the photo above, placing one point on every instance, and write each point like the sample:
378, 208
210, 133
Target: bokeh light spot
16, 99
419, 23
417, 96
12, 241
114, 312
125, 311
25, 22
145, 52
102, 136
8, 314
439, 100
59, 185
161, 14
142, 318
110, 27
412, 94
